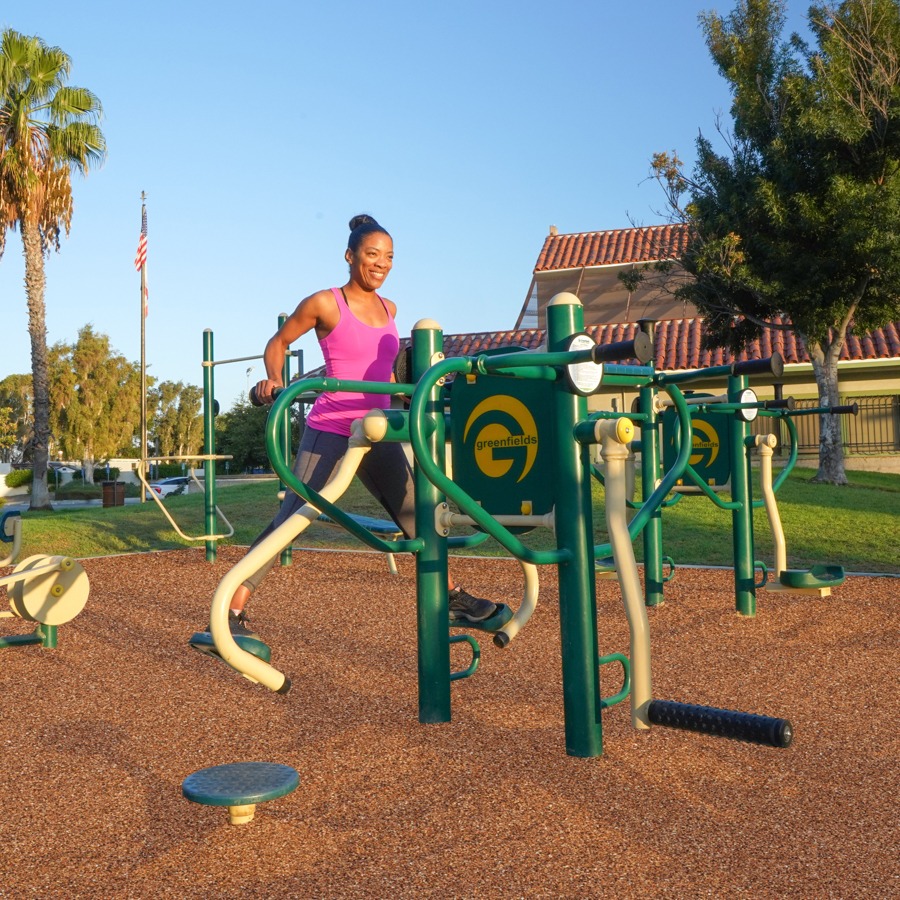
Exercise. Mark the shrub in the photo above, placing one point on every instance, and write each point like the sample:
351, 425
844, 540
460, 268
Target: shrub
167, 470
100, 474
75, 490
18, 477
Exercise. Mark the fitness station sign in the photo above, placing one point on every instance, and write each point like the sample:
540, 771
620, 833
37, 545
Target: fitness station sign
501, 443
710, 444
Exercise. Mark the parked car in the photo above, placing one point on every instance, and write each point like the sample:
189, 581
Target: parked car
166, 486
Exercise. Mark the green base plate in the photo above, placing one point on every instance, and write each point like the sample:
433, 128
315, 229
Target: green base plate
202, 642
493, 623
816, 577
238, 784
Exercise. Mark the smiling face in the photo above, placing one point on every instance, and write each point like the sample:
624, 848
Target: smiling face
372, 260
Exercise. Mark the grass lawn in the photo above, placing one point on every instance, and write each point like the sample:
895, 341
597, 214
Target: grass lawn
857, 526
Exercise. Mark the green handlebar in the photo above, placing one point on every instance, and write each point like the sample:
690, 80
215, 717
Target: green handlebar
283, 470
417, 430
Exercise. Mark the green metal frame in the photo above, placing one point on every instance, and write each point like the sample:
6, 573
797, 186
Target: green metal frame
209, 436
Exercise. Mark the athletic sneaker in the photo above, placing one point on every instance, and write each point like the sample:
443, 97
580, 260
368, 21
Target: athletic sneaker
237, 622
464, 606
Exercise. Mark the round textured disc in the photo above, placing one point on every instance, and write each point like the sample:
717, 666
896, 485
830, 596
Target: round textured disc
240, 784
53, 598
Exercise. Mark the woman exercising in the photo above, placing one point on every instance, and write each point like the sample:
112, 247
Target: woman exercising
358, 336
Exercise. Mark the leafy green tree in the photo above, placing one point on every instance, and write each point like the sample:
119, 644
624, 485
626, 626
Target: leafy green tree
801, 216
16, 396
241, 434
177, 424
7, 429
47, 129
94, 399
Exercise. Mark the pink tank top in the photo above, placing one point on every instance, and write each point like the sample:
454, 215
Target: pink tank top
354, 351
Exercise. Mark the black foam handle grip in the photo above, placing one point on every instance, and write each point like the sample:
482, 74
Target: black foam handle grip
851, 409
786, 403
773, 365
255, 399
641, 349
738, 726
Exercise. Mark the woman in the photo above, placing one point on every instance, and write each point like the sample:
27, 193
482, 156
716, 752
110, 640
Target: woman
356, 330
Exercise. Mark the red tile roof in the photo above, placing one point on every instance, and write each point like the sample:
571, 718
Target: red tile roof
678, 344
611, 248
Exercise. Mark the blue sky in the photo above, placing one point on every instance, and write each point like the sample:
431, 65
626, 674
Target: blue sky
257, 131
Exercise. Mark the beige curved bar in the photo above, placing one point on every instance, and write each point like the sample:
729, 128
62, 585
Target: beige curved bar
250, 666
158, 501
614, 436
444, 520
526, 607
767, 444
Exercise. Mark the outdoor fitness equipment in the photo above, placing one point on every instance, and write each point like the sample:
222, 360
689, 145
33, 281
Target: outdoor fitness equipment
209, 538
513, 418
209, 459
720, 448
47, 590
210, 409
11, 533
723, 420
818, 580
614, 438
254, 666
240, 786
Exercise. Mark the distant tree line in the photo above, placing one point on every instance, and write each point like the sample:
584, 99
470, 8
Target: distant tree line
95, 412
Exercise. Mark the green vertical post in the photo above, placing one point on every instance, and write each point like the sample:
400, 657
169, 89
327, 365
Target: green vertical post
431, 561
48, 636
650, 444
209, 443
742, 515
577, 587
288, 553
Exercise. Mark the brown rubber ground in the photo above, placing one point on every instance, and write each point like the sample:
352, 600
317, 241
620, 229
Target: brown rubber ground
98, 735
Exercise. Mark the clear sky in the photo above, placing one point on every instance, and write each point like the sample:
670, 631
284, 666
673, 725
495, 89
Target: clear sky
258, 129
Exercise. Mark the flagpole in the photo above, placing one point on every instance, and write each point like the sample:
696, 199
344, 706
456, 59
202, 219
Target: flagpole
143, 463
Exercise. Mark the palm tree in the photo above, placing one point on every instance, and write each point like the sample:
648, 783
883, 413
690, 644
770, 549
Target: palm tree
47, 129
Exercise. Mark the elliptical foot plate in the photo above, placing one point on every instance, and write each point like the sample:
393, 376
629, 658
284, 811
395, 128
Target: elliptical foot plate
202, 642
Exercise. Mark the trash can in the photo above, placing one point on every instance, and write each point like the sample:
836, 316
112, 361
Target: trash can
113, 493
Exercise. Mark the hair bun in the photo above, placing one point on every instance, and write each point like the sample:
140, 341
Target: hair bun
362, 219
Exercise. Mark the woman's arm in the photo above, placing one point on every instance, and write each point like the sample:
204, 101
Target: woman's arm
318, 311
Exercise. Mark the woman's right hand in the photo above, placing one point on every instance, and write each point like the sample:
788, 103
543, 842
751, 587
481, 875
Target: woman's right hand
263, 392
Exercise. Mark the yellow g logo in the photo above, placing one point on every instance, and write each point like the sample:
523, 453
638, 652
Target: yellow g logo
705, 440
504, 434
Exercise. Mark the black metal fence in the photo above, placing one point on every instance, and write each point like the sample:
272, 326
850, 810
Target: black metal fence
875, 430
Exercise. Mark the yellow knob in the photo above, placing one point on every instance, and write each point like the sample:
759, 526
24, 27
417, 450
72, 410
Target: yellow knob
624, 430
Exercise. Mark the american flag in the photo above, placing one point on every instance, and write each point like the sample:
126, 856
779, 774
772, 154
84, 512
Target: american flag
140, 259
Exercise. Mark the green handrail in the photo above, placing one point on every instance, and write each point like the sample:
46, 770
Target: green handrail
476, 655
484, 520
606, 702
282, 468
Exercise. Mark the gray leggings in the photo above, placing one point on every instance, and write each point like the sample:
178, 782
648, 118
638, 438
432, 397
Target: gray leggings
384, 472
